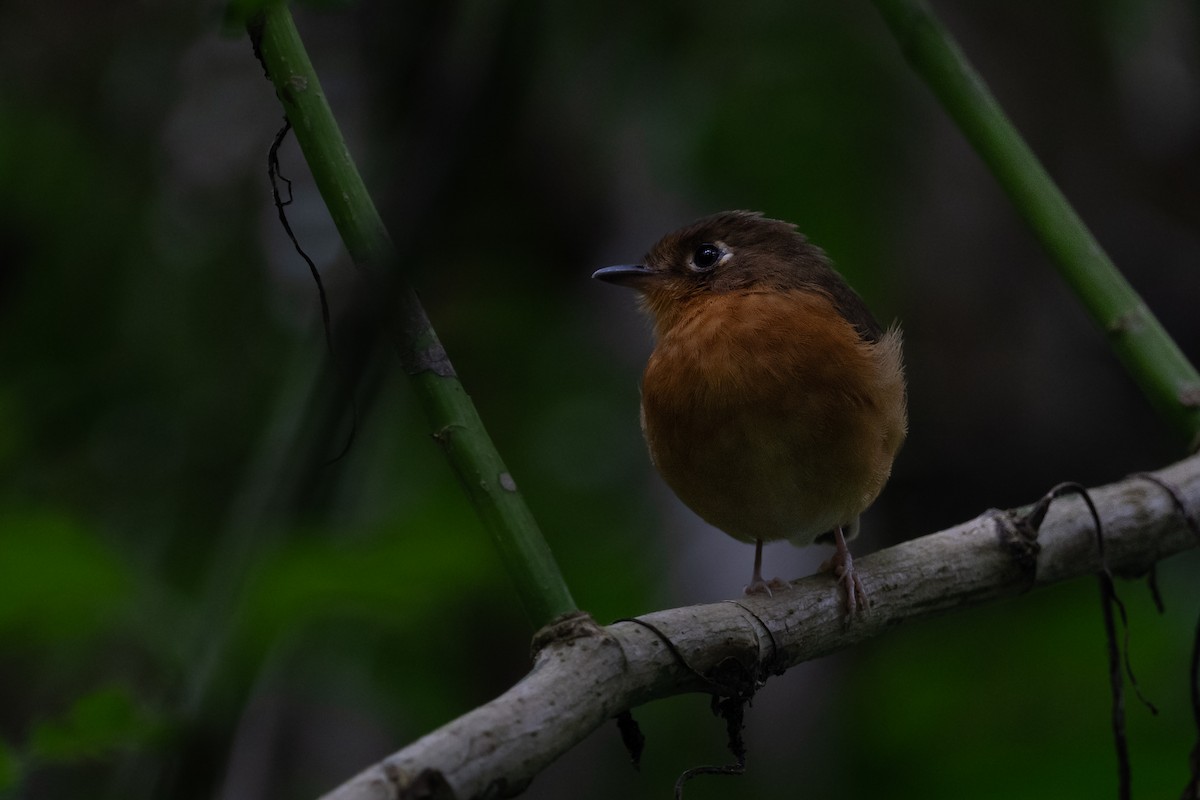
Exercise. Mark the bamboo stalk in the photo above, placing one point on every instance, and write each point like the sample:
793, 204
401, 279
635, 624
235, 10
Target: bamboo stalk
454, 420
1152, 358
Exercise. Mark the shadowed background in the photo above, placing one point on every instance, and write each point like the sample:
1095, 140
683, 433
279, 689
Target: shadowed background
195, 603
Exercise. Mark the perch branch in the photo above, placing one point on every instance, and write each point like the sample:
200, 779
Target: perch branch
586, 675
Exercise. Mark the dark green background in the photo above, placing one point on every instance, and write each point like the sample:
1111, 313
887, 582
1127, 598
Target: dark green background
194, 604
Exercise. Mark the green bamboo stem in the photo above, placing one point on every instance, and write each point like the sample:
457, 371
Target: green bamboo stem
1149, 354
453, 417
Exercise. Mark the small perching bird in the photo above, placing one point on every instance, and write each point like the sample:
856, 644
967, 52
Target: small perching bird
773, 403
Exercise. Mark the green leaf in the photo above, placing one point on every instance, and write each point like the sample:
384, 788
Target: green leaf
57, 579
99, 723
10, 767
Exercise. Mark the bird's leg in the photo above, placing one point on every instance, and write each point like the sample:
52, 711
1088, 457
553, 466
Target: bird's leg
842, 566
757, 585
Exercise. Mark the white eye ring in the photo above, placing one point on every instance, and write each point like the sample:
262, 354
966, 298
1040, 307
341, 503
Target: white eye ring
707, 256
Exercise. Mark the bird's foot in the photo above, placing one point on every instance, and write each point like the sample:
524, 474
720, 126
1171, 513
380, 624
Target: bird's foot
760, 586
841, 564
757, 585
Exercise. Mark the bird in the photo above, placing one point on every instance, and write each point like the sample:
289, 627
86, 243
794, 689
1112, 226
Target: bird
773, 403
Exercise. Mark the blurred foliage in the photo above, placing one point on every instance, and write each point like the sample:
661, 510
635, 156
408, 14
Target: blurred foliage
97, 724
41, 554
196, 602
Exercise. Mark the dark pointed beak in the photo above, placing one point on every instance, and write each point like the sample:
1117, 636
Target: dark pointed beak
635, 276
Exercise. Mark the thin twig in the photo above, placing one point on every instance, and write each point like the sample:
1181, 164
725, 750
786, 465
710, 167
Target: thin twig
275, 175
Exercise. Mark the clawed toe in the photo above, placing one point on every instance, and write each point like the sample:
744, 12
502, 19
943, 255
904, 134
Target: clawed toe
857, 601
760, 586
842, 567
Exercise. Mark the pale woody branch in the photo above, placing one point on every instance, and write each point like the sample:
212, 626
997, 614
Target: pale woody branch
586, 675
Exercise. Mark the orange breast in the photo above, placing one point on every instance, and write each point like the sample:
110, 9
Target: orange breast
769, 416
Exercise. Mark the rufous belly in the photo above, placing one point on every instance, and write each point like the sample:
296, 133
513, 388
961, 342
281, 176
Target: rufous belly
770, 417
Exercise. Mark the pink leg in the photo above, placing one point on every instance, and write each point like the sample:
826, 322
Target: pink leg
757, 584
842, 566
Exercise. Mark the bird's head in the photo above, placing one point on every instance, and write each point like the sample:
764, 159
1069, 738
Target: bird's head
733, 251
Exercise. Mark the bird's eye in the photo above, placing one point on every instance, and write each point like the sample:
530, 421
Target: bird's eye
706, 257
